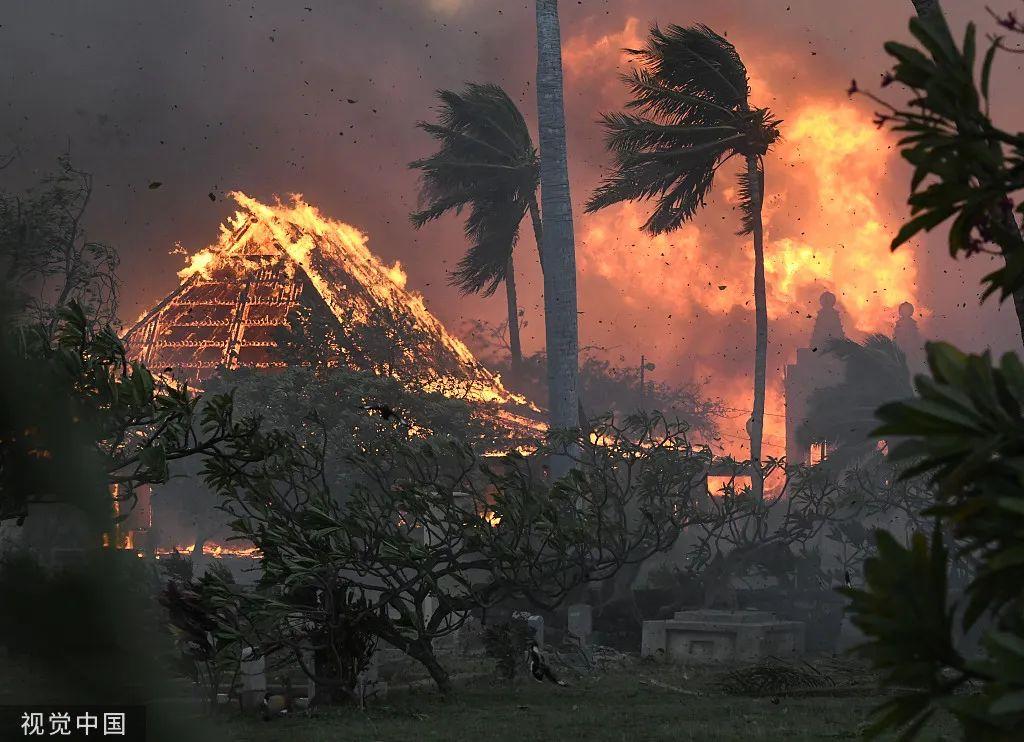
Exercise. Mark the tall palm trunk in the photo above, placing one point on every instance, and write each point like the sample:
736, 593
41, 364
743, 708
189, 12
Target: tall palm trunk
559, 252
756, 173
926, 9
513, 321
538, 231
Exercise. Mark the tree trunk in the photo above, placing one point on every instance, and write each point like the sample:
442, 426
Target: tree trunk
538, 234
423, 653
558, 251
513, 321
756, 173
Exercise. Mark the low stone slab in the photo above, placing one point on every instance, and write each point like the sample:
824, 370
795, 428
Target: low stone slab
713, 636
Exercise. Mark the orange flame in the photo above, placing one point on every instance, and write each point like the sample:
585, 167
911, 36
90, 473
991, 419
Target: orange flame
313, 240
212, 549
832, 157
685, 299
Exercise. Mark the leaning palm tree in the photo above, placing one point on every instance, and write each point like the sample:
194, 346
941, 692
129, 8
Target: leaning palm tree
691, 114
486, 162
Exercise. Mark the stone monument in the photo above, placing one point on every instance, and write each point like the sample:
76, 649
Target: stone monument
712, 636
254, 679
581, 621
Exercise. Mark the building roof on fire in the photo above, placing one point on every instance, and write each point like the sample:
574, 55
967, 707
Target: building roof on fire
281, 267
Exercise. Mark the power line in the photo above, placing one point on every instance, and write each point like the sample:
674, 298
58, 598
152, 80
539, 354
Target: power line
737, 409
765, 441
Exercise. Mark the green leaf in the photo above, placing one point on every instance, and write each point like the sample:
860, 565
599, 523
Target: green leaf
927, 221
986, 67
1011, 703
970, 45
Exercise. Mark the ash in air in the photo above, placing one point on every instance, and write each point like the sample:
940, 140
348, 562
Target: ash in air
572, 367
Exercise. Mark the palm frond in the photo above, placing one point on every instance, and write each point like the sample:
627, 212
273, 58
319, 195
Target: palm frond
628, 133
698, 61
678, 206
493, 232
690, 98
651, 95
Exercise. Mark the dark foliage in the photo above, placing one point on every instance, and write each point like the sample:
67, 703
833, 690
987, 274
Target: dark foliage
690, 92
77, 403
966, 168
486, 163
843, 416
46, 255
965, 431
429, 522
506, 644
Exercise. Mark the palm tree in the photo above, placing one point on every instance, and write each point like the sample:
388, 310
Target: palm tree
843, 416
487, 163
559, 252
692, 114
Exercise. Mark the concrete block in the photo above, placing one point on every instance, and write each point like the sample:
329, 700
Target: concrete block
713, 636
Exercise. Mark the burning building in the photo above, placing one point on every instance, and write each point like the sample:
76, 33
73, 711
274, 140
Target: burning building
282, 276
275, 265
274, 260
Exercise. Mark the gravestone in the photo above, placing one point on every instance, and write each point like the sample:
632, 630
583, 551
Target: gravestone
713, 636
309, 660
581, 621
368, 682
428, 607
254, 679
536, 625
470, 637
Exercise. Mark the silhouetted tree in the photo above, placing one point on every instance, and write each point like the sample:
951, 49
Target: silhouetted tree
693, 100
843, 416
486, 163
47, 257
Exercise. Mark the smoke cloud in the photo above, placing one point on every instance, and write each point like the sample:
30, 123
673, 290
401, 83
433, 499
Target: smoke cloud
321, 98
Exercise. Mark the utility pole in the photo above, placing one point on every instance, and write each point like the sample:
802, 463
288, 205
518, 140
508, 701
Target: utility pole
641, 383
644, 366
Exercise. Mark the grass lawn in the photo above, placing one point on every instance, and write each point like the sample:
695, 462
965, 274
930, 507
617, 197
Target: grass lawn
624, 702
619, 705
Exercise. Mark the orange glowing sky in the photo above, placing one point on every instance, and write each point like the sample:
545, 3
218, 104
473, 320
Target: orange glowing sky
321, 98
825, 230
